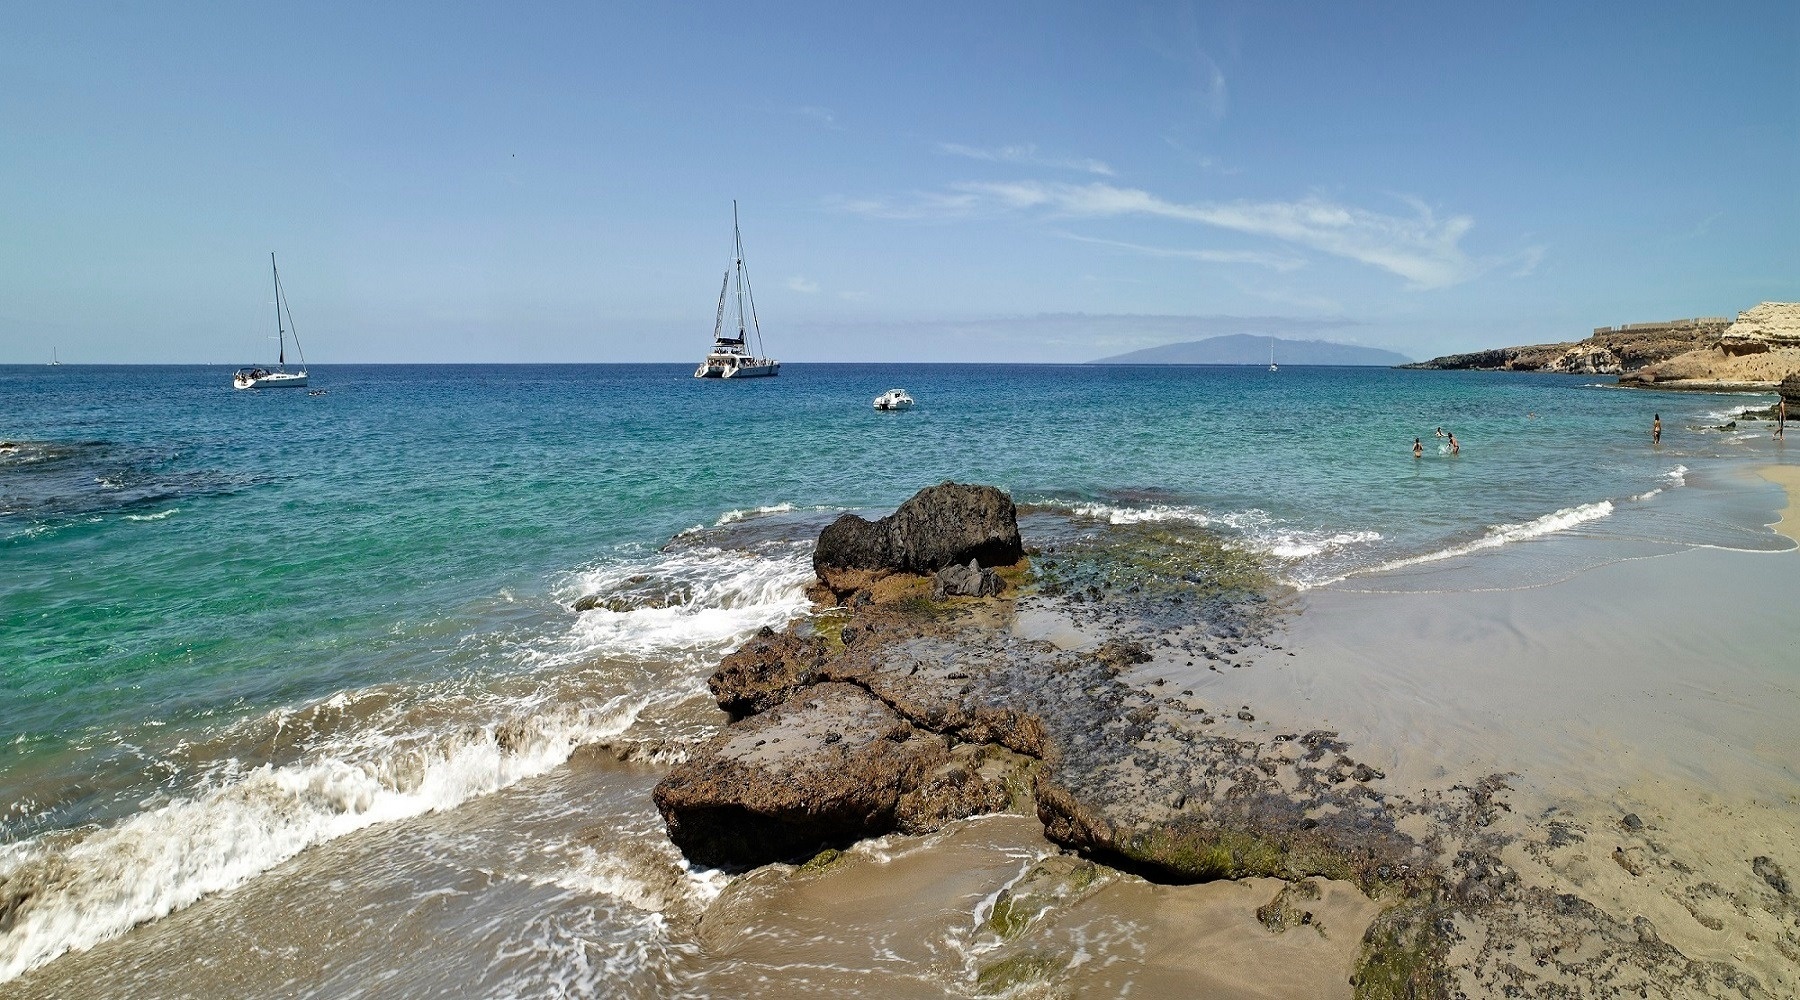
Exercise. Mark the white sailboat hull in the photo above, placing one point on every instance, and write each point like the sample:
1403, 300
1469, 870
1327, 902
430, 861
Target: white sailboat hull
270, 380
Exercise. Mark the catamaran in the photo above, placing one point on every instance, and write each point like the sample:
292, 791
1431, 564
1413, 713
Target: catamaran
730, 357
279, 377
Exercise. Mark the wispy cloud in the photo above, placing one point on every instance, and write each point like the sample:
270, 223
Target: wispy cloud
1421, 247
804, 285
1025, 153
1272, 261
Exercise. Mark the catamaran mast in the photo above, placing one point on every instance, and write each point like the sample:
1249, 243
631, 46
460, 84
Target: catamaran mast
744, 289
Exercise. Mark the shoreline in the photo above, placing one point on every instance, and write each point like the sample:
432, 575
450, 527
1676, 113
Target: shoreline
1788, 478
1552, 694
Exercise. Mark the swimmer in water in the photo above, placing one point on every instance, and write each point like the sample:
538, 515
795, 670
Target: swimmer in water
1454, 447
1418, 449
1656, 430
1440, 432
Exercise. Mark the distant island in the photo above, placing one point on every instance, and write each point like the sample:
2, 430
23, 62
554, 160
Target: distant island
1250, 349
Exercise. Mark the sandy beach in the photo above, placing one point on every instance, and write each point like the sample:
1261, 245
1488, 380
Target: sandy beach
1788, 478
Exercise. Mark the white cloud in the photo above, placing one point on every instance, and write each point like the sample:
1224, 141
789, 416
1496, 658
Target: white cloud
800, 283
1421, 247
1025, 153
1272, 261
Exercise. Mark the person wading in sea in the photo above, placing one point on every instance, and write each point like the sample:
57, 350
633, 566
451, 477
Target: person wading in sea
1781, 418
1656, 430
1455, 449
1418, 449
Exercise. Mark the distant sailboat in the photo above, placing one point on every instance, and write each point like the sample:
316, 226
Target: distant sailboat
280, 377
730, 357
53, 362
1272, 365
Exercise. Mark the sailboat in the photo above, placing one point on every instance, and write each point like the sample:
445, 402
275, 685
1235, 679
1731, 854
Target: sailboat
1272, 365
730, 357
53, 362
280, 378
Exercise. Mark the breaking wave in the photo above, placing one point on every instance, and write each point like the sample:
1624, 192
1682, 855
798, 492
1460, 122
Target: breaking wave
71, 889
1503, 534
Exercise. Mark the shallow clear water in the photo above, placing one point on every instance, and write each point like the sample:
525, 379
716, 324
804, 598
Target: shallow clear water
237, 624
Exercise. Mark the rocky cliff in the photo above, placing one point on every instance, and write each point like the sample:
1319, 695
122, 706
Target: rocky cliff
1758, 349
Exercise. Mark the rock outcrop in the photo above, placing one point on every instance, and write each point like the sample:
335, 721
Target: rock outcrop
926, 714
761, 673
1764, 327
827, 766
1587, 359
1705, 353
939, 526
966, 581
1525, 359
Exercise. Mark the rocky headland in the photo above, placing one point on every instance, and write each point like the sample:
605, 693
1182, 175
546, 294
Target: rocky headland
949, 672
1755, 351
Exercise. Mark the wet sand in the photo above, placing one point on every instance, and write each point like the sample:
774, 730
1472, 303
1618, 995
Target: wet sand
1788, 478
1664, 688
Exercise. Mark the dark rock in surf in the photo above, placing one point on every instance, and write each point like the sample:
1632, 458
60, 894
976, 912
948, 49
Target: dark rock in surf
765, 670
828, 766
939, 526
966, 581
1790, 391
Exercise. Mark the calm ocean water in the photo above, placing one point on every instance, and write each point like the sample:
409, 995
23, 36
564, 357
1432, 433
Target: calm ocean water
234, 625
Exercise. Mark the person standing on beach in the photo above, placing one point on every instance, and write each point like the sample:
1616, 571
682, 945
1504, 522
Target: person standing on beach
1418, 449
1656, 430
1455, 449
1781, 418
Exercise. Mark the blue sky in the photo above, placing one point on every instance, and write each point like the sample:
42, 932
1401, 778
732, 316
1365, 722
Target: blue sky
1032, 182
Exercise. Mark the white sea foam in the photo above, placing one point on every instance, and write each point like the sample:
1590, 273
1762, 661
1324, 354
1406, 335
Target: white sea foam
1302, 544
733, 516
88, 889
1140, 515
727, 594
1675, 478
159, 515
1503, 534
1253, 529
242, 821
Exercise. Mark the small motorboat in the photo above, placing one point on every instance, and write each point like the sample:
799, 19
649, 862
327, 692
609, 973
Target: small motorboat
894, 399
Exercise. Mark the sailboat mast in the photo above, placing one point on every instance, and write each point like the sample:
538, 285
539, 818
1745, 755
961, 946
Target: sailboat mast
280, 334
737, 257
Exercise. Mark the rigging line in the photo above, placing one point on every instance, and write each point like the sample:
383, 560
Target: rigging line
719, 317
281, 297
280, 339
754, 322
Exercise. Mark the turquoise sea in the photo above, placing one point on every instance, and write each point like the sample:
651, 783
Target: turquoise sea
236, 625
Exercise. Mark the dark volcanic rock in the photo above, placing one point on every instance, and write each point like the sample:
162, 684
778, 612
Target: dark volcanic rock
1790, 391
765, 670
825, 767
939, 526
966, 581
